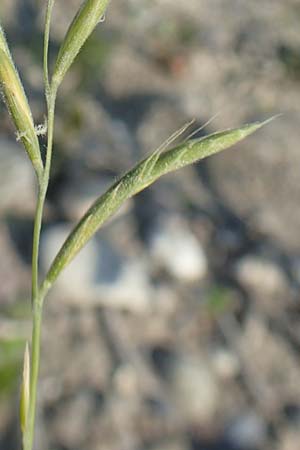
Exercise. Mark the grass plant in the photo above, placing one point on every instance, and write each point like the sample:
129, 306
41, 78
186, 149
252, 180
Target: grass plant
167, 158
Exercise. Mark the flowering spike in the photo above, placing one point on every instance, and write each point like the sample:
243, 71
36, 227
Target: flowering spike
17, 105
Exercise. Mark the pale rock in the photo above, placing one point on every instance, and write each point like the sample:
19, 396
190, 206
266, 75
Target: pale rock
247, 431
195, 389
225, 364
174, 247
260, 275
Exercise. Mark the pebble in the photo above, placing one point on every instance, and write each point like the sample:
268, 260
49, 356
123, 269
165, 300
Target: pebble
225, 364
195, 388
260, 275
175, 248
247, 431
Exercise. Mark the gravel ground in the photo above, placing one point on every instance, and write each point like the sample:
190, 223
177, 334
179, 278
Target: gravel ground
177, 326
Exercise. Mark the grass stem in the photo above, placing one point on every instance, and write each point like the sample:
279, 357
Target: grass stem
37, 294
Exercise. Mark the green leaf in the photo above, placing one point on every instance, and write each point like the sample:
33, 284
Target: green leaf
89, 15
142, 175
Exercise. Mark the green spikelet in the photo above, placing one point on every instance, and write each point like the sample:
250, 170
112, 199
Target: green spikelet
86, 19
17, 105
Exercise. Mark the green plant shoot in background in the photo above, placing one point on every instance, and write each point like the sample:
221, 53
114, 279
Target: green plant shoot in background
160, 162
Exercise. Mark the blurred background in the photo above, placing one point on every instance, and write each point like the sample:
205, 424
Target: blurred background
177, 328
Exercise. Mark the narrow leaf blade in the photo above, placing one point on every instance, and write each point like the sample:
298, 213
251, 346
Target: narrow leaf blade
137, 179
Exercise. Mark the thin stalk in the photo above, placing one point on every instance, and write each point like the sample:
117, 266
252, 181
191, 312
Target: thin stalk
44, 179
36, 309
34, 373
37, 294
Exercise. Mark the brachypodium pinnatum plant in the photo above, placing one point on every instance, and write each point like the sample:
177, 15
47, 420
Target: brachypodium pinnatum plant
162, 161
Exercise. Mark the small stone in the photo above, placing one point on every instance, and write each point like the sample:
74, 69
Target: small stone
196, 389
225, 363
257, 273
247, 431
174, 247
